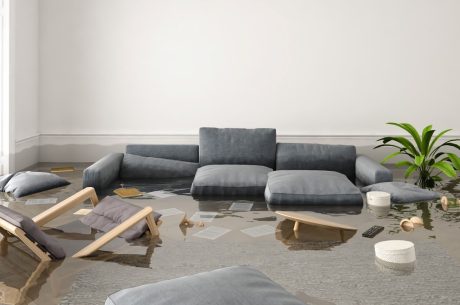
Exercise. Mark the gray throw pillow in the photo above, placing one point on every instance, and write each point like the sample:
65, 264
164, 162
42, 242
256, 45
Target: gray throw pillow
226, 286
402, 192
111, 212
26, 183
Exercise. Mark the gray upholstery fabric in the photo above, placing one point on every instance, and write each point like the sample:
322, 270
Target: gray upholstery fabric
33, 232
110, 212
369, 171
337, 158
26, 183
188, 153
227, 286
311, 187
231, 180
402, 192
137, 167
104, 172
237, 146
4, 181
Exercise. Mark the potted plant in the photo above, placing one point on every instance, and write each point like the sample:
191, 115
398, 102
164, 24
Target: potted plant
426, 157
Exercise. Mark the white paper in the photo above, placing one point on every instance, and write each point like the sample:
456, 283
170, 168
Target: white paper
83, 212
241, 206
162, 194
212, 232
203, 216
41, 201
170, 212
259, 231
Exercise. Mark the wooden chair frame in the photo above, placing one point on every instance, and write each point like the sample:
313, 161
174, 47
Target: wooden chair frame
7, 229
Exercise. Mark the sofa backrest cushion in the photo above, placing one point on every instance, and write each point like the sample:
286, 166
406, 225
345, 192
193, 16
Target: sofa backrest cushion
188, 153
299, 156
237, 146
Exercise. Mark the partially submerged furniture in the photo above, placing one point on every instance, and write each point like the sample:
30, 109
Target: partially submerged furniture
232, 285
47, 248
249, 162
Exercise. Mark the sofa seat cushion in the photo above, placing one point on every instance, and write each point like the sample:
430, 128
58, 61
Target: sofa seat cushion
311, 187
138, 167
227, 286
223, 180
402, 192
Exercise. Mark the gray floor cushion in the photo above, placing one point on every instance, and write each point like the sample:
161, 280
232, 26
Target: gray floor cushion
138, 167
26, 183
402, 192
230, 180
33, 232
311, 187
111, 212
227, 286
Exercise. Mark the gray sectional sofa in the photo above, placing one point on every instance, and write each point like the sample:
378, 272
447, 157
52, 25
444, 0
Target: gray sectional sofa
248, 162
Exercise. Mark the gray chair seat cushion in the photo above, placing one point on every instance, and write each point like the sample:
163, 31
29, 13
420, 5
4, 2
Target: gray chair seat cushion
231, 180
238, 146
111, 212
26, 183
402, 192
227, 286
137, 167
311, 187
33, 232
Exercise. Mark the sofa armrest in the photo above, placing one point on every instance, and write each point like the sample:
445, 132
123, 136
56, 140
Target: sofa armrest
102, 173
369, 171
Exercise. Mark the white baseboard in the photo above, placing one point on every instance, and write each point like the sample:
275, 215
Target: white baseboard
91, 147
27, 152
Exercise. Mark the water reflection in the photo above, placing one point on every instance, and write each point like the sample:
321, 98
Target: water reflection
311, 237
394, 268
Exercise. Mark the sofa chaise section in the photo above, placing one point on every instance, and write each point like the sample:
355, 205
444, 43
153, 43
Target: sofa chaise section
234, 161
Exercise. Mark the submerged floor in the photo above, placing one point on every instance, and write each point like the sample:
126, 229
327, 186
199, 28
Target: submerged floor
326, 266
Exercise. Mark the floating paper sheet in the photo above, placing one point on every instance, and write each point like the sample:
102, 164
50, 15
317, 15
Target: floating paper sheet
162, 194
203, 216
212, 232
41, 201
241, 206
259, 231
170, 212
83, 212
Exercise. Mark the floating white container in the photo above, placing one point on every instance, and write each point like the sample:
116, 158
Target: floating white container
395, 251
378, 199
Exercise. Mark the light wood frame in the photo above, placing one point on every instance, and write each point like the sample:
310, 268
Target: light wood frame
7, 229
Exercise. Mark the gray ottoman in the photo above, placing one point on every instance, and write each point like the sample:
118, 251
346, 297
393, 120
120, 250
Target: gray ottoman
311, 187
230, 180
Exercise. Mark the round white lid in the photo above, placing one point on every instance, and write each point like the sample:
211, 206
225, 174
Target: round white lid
394, 245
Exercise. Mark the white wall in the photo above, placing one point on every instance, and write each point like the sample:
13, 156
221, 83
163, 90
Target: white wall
24, 62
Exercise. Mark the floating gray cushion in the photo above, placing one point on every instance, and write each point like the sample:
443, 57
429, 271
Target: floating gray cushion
103, 172
26, 183
237, 146
222, 180
137, 167
4, 181
298, 156
402, 192
188, 153
227, 286
111, 212
311, 187
369, 171
33, 232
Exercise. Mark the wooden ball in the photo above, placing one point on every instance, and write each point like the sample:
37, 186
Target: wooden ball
406, 225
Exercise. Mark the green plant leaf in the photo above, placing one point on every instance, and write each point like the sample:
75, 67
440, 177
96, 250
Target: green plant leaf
436, 178
390, 156
405, 142
437, 138
446, 168
403, 163
418, 160
410, 170
426, 141
455, 160
412, 131
447, 143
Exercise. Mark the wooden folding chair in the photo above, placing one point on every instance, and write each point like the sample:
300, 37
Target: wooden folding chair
8, 229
